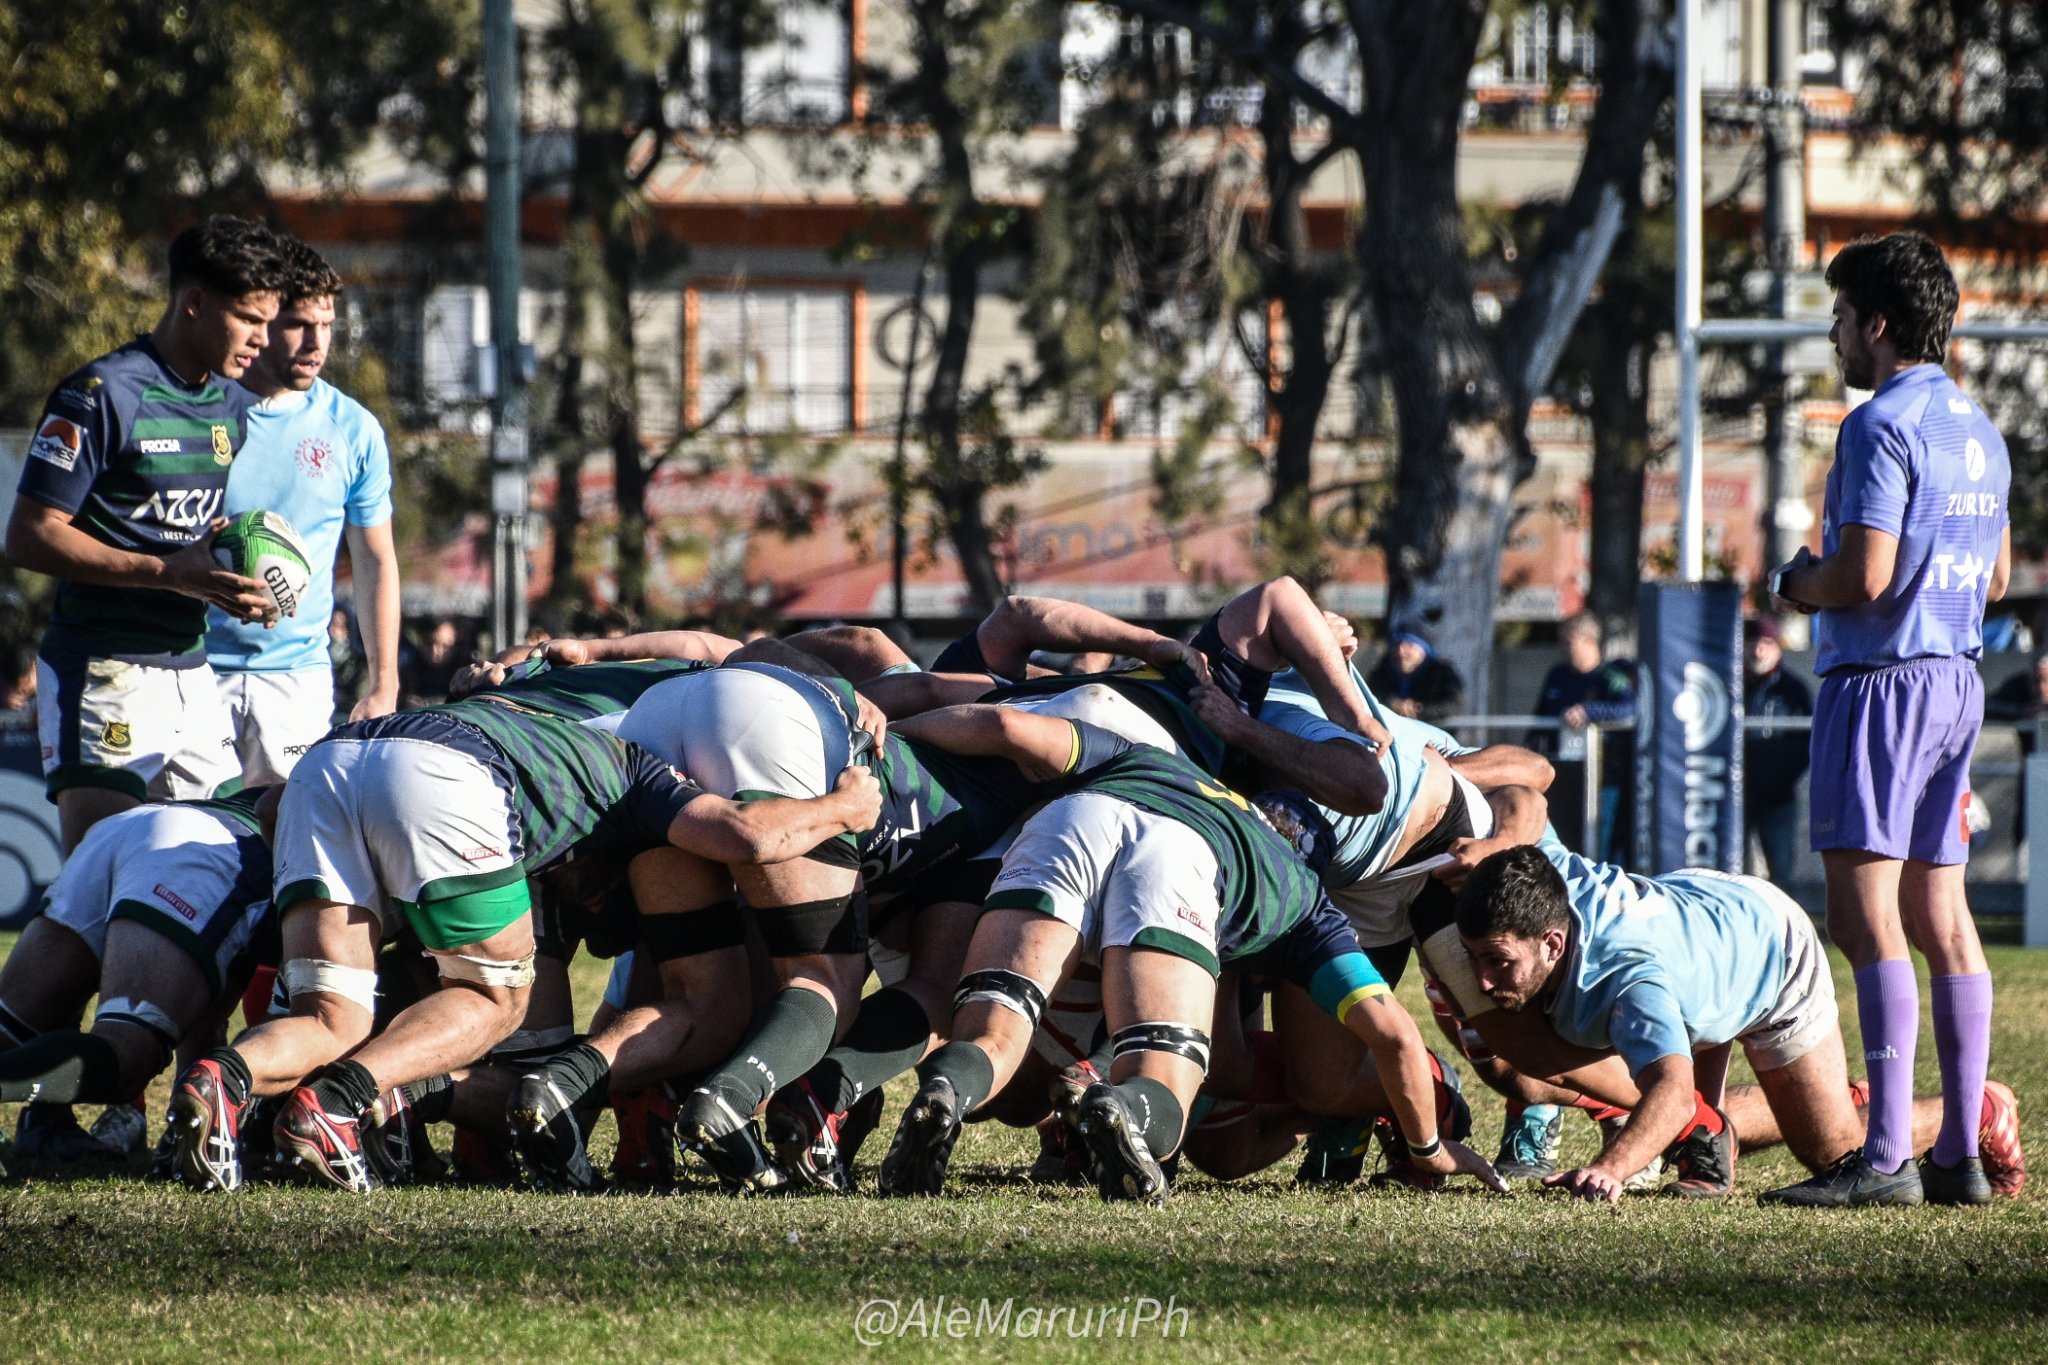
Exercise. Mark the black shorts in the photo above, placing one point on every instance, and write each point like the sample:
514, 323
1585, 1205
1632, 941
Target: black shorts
1240, 681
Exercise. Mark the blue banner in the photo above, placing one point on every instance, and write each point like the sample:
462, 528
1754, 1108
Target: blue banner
1689, 727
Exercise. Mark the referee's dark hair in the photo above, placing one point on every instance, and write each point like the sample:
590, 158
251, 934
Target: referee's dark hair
1903, 278
230, 257
1515, 892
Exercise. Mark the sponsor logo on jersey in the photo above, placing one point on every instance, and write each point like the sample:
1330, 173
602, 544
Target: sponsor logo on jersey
161, 445
222, 450
175, 901
57, 442
84, 395
181, 506
1973, 459
115, 736
1957, 573
1959, 406
314, 455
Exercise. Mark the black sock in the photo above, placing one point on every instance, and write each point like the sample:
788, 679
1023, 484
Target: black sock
345, 1089
61, 1068
1103, 1054
583, 1075
788, 1040
964, 1064
886, 1040
234, 1071
1157, 1112
431, 1098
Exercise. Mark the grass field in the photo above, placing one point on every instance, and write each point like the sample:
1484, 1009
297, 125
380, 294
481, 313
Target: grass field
113, 1269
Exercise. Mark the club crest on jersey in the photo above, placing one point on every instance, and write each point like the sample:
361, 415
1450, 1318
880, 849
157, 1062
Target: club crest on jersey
314, 456
57, 442
222, 450
115, 737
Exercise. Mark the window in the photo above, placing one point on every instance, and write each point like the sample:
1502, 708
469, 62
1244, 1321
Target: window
792, 64
772, 359
1529, 47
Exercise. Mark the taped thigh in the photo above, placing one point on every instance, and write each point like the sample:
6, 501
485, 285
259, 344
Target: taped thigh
1161, 1035
317, 976
516, 975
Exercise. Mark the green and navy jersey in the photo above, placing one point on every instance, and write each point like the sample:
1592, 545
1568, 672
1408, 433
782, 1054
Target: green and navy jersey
140, 459
1262, 887
937, 807
586, 692
576, 792
1161, 695
237, 810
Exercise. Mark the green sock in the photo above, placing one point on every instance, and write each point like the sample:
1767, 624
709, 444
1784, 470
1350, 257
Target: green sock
61, 1068
790, 1037
1158, 1113
964, 1064
886, 1040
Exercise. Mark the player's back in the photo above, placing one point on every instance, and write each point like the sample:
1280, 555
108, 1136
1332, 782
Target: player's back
1920, 461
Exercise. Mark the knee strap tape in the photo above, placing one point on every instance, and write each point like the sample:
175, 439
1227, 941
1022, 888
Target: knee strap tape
144, 1014
1012, 990
485, 971
1163, 1036
530, 1044
312, 975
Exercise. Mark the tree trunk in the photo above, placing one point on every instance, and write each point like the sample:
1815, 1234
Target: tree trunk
622, 411
1621, 457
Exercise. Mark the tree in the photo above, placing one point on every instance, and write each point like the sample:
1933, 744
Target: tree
1461, 392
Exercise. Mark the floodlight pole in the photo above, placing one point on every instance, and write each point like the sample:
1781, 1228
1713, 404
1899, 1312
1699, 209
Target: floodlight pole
509, 487
1691, 482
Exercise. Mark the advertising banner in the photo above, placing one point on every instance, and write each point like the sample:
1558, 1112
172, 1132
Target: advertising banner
1689, 728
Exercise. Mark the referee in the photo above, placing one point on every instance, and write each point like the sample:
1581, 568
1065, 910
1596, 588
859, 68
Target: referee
1915, 539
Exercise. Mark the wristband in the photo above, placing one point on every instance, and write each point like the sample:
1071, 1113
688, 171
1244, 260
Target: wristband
1423, 1151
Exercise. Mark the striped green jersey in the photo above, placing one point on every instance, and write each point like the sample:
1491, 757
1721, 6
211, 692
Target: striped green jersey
937, 807
139, 459
586, 692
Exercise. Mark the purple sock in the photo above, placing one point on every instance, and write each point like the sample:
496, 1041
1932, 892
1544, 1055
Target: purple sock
1888, 1006
1962, 1041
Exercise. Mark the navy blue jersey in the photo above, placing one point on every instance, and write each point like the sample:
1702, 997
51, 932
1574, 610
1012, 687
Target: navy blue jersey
139, 458
937, 808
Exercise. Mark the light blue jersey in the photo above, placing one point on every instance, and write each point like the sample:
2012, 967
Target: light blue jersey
1365, 843
319, 461
1659, 966
1922, 462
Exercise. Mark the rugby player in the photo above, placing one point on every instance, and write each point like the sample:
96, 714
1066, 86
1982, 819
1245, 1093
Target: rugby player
440, 816
317, 458
1664, 970
1915, 539
119, 498
1161, 876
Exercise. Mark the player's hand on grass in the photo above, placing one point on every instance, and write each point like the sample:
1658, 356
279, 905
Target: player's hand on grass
860, 797
196, 573
1347, 635
1589, 1183
1455, 1158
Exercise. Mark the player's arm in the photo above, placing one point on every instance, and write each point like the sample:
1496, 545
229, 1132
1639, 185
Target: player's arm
859, 653
2001, 572
42, 539
902, 695
1668, 1101
373, 562
1398, 1054
1020, 625
1504, 765
1042, 747
1858, 572
1339, 772
701, 646
776, 829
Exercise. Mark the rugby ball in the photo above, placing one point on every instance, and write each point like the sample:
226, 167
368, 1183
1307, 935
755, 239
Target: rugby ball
263, 546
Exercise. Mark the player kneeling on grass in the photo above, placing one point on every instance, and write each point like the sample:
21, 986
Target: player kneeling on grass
441, 815
1661, 970
154, 912
1160, 875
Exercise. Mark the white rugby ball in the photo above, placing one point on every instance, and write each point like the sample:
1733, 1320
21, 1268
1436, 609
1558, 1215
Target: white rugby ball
263, 546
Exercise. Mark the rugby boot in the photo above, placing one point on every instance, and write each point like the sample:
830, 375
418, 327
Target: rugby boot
1998, 1141
396, 1142
1335, 1153
326, 1146
1529, 1143
857, 1126
122, 1128
1960, 1184
805, 1136
1454, 1121
923, 1146
50, 1133
729, 1144
548, 1138
646, 1154
1062, 1157
1851, 1182
486, 1159
207, 1122
1118, 1158
1704, 1163
1647, 1179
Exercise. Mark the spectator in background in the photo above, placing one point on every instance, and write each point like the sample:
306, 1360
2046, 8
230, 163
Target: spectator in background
1412, 680
1584, 689
346, 657
17, 683
430, 667
1774, 758
2022, 699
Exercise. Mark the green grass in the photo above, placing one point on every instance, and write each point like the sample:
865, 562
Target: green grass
116, 1269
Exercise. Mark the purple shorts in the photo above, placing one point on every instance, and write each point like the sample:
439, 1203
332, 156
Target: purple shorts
1891, 759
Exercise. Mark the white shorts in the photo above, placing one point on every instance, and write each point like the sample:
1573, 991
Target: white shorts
739, 733
1105, 707
404, 823
277, 717
1123, 877
179, 870
1805, 1011
155, 732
